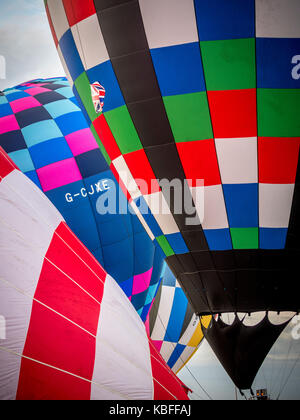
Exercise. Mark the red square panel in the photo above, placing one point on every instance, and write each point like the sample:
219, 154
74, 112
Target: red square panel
73, 267
140, 169
78, 10
106, 137
55, 341
40, 382
199, 161
278, 159
233, 113
65, 233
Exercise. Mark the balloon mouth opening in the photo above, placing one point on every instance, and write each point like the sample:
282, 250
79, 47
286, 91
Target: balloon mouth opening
255, 318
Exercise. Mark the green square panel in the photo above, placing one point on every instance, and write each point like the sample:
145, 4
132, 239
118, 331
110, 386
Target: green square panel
101, 147
83, 87
123, 130
189, 116
278, 112
165, 246
244, 238
229, 64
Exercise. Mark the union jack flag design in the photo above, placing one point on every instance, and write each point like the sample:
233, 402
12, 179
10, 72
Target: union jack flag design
98, 96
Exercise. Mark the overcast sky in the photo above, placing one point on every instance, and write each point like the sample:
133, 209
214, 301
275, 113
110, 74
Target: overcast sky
29, 52
26, 42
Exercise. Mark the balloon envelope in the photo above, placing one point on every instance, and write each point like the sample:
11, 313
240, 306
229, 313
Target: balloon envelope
209, 91
174, 328
46, 135
70, 332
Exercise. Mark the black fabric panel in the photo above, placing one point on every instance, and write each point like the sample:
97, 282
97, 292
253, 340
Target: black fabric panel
123, 29
136, 77
106, 4
91, 163
48, 97
154, 309
12, 141
155, 129
293, 236
31, 116
241, 349
195, 240
53, 86
239, 281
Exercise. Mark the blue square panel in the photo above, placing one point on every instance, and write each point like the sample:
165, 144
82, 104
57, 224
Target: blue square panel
12, 141
71, 55
32, 175
127, 286
225, 19
69, 123
242, 205
177, 243
177, 316
218, 239
91, 163
58, 108
175, 355
272, 238
105, 75
32, 116
278, 63
179, 69
23, 160
49, 152
5, 110
41, 131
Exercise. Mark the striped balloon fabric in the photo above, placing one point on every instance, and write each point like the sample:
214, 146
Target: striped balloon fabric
200, 90
71, 333
174, 328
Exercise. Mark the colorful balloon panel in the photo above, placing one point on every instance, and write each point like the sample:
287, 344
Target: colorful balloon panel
174, 328
198, 90
45, 133
64, 337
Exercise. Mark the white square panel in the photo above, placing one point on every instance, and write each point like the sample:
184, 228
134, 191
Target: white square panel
161, 212
126, 177
59, 18
167, 349
215, 215
277, 18
275, 202
169, 22
237, 160
88, 38
165, 309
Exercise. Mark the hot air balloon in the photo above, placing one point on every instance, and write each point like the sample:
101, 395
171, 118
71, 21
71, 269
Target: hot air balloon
52, 144
71, 333
46, 135
199, 90
174, 328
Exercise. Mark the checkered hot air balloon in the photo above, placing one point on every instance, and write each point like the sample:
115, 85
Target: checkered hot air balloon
98, 95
